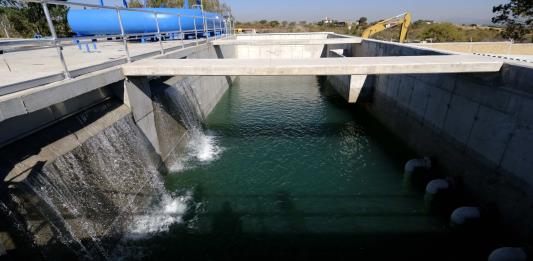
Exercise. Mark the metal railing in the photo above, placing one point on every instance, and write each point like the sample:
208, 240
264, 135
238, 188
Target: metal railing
219, 29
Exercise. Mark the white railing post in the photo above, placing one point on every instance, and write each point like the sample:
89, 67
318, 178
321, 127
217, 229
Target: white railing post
159, 34
206, 28
226, 27
182, 35
195, 30
220, 27
123, 33
214, 29
54, 39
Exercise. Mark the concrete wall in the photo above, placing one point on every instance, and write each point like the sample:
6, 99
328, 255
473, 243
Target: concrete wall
478, 127
353, 88
80, 179
280, 51
18, 127
155, 114
28, 111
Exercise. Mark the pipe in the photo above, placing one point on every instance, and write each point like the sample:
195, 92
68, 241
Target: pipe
185, 4
104, 22
508, 253
436, 186
412, 165
437, 196
464, 215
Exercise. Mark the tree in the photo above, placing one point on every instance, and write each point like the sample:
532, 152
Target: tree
363, 21
208, 5
263, 22
21, 19
28, 19
444, 32
517, 17
274, 23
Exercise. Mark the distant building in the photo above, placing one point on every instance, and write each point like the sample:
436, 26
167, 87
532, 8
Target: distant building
327, 21
331, 22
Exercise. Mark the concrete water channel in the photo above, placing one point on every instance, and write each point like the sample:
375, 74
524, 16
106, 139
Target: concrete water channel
129, 159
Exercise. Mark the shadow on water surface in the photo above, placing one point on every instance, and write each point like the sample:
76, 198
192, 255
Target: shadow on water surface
227, 238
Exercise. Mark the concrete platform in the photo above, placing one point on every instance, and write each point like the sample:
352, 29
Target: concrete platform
27, 69
320, 66
31, 100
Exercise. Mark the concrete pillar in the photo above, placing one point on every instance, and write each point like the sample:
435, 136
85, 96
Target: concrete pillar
356, 85
350, 87
138, 97
220, 55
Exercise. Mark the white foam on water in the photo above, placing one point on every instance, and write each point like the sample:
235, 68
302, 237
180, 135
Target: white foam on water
178, 166
168, 211
204, 148
201, 149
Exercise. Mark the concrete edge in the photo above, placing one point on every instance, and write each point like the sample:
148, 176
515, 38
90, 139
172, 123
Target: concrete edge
66, 144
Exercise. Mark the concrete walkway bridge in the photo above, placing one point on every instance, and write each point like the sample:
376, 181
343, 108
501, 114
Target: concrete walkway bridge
259, 55
317, 66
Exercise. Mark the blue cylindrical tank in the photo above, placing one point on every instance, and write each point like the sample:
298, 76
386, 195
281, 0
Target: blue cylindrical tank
86, 22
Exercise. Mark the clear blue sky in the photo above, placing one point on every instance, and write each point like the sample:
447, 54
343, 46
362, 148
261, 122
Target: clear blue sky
460, 11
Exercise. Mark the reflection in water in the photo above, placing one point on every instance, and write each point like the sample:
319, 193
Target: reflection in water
226, 222
296, 221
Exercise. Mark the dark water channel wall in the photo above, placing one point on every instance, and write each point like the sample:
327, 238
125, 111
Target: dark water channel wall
478, 128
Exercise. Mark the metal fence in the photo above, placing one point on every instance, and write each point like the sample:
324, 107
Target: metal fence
219, 28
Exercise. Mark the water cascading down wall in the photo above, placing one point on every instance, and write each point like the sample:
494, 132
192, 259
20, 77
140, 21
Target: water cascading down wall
86, 170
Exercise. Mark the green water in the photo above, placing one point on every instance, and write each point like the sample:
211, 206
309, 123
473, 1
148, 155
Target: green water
290, 171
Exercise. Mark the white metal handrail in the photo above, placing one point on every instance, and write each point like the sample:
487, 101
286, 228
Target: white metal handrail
59, 43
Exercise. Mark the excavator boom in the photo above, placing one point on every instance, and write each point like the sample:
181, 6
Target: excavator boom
404, 20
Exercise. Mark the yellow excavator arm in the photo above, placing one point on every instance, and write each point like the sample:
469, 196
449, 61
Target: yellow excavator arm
404, 20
